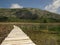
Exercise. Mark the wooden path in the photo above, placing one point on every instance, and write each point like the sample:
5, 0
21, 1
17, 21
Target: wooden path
17, 37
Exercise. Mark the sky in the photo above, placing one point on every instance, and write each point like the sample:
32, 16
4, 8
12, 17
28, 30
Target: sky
49, 5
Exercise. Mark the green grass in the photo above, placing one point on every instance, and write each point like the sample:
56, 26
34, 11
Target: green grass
40, 33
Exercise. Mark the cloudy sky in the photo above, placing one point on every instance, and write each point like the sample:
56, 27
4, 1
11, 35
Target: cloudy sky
50, 5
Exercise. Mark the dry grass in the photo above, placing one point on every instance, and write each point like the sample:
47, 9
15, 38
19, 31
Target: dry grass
4, 31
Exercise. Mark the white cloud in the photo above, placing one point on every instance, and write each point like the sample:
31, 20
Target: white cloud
16, 6
54, 7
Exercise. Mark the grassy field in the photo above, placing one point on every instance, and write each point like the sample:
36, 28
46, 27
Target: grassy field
40, 33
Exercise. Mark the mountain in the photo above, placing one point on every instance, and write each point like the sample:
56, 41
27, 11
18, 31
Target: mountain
28, 15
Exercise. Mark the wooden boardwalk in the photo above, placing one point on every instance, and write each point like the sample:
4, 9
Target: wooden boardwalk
17, 37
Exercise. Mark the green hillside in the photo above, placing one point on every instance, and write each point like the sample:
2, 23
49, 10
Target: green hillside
28, 15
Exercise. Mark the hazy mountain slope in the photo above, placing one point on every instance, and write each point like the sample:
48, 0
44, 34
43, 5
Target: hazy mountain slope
30, 14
